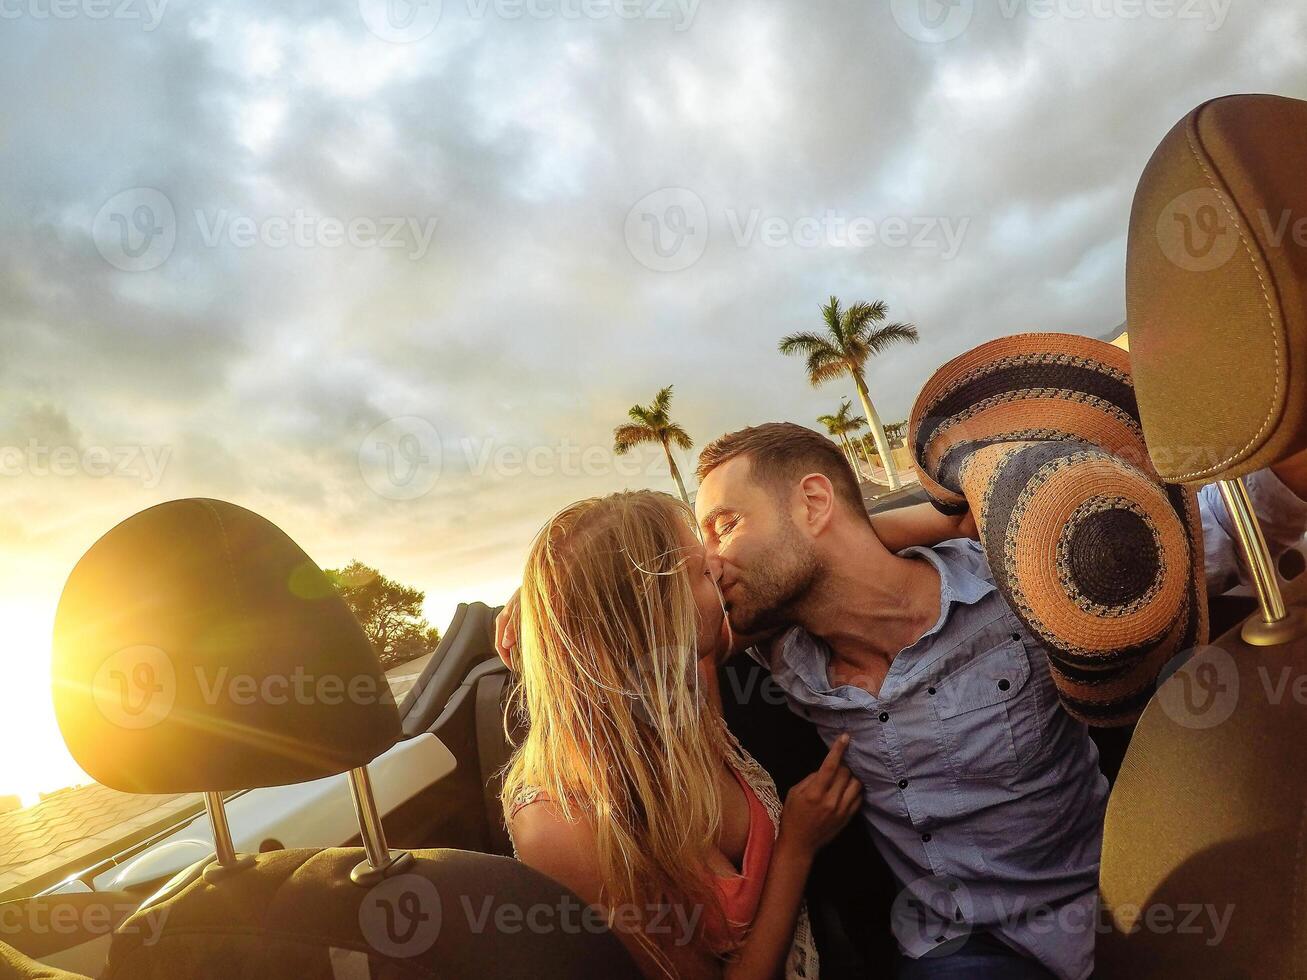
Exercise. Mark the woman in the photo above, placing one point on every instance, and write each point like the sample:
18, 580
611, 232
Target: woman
628, 788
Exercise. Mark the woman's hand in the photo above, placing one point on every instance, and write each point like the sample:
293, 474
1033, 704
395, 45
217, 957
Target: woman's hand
506, 629
818, 808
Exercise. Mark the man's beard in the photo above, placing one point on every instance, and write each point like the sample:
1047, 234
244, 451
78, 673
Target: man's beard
781, 579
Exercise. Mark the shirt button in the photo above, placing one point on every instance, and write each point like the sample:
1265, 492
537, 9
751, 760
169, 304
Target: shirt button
884, 716
903, 784
1003, 685
1016, 636
930, 691
925, 838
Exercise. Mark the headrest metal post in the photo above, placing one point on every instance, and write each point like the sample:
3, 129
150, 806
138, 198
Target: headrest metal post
381, 862
1277, 623
222, 842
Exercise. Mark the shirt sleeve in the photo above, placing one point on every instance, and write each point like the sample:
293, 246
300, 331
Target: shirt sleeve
1282, 515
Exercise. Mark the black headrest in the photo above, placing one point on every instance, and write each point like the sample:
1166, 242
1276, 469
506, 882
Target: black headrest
197, 648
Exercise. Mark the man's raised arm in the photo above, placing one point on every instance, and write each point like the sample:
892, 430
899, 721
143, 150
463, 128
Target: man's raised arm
1279, 497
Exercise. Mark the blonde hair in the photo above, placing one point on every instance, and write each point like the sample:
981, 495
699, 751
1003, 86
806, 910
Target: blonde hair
618, 729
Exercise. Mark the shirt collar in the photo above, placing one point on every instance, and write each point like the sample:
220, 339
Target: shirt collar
957, 586
801, 652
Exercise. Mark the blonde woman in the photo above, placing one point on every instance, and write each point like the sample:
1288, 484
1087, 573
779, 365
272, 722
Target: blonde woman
627, 787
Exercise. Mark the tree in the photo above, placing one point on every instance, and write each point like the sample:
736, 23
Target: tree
653, 424
896, 432
390, 613
852, 337
841, 425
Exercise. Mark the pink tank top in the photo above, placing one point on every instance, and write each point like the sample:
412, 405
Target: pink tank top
741, 892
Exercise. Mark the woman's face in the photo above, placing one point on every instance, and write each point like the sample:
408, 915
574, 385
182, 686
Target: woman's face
713, 637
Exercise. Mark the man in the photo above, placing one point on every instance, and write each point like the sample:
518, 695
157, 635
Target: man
981, 792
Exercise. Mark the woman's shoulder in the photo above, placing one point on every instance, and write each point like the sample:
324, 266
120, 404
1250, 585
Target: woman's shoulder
550, 841
523, 798
536, 822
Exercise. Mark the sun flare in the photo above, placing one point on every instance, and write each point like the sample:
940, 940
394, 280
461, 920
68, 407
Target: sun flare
26, 710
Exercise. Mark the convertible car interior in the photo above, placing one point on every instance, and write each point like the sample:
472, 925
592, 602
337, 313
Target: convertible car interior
194, 601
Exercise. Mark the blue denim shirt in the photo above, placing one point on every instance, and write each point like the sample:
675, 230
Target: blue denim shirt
982, 794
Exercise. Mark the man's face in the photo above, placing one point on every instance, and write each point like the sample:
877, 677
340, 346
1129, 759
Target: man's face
764, 562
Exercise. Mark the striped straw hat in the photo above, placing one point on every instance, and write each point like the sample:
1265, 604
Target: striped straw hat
1039, 435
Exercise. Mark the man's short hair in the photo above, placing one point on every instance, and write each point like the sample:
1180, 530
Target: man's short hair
781, 454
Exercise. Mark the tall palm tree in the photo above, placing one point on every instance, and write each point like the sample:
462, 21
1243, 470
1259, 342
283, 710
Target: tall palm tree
652, 423
852, 337
841, 425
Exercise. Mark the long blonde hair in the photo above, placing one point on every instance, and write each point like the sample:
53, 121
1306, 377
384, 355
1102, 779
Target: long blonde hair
617, 727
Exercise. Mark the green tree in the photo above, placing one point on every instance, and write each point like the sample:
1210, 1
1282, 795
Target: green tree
852, 337
650, 424
896, 432
390, 613
842, 425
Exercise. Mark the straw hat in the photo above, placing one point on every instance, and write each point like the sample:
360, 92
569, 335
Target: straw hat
1039, 435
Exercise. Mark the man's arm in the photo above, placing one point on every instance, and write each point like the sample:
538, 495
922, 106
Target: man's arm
1293, 474
922, 525
1279, 497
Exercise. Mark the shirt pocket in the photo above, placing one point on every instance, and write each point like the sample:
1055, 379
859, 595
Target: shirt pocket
988, 713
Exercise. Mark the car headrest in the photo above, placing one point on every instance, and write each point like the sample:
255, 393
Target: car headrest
1216, 290
197, 649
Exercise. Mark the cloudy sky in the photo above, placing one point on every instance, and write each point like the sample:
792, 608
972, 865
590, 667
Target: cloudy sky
389, 274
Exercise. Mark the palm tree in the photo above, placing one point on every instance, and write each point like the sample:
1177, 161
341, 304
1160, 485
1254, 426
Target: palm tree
852, 337
652, 423
840, 425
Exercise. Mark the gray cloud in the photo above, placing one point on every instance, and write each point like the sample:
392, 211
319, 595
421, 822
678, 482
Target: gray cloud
527, 322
